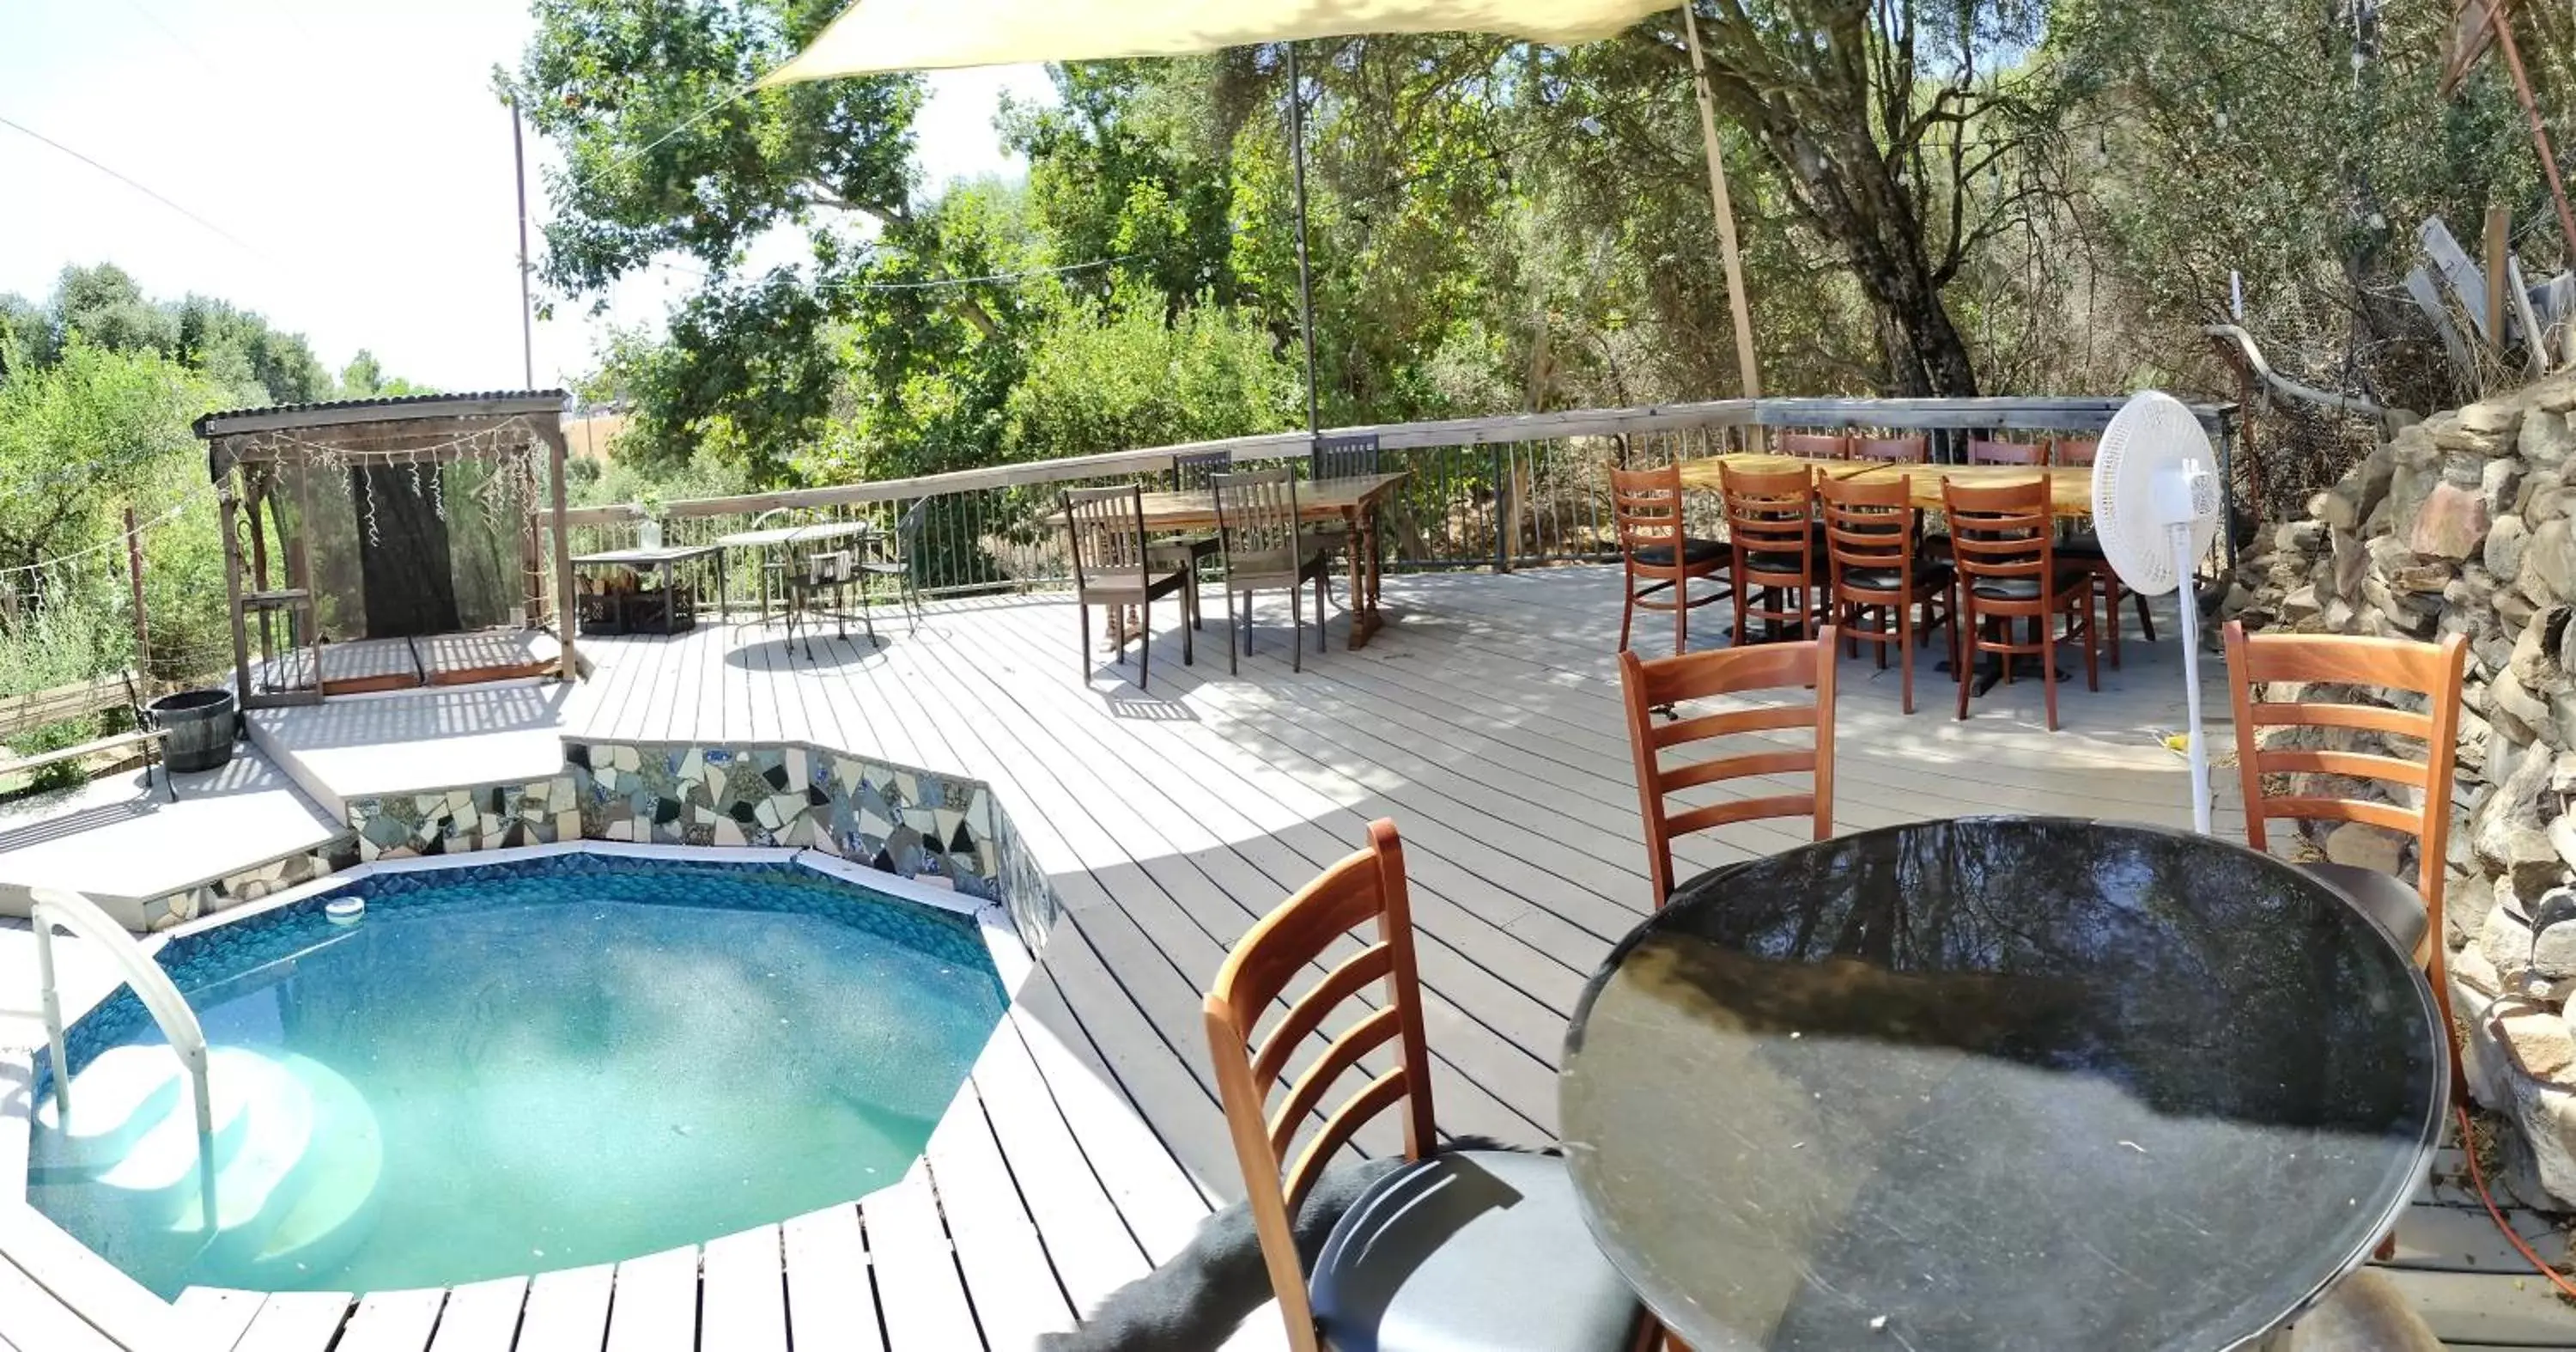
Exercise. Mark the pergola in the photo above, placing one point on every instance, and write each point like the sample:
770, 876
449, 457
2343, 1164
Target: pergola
388, 530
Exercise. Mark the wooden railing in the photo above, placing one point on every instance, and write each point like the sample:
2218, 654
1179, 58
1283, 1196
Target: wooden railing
1498, 492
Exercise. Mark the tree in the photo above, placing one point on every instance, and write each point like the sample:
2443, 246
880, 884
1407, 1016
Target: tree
104, 307
82, 437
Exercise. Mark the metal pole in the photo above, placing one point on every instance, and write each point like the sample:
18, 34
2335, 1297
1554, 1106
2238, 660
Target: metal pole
1305, 279
142, 627
1745, 365
527, 306
2539, 129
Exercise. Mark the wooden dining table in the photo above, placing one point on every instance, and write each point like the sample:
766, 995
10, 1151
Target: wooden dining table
2070, 487
1354, 501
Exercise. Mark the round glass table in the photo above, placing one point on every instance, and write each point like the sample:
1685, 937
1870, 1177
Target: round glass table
1996, 1084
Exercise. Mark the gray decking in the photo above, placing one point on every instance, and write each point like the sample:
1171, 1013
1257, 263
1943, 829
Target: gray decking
1484, 719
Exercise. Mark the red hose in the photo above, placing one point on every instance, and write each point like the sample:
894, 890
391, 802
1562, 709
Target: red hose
2477, 1176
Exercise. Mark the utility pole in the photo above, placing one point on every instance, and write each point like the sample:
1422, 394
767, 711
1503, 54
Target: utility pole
527, 305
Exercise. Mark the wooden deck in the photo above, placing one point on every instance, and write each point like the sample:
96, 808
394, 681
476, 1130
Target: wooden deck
1484, 718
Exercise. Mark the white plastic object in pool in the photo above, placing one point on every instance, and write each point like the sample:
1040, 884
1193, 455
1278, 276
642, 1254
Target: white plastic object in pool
345, 910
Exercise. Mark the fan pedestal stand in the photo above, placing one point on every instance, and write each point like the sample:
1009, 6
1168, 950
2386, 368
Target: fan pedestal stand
2179, 533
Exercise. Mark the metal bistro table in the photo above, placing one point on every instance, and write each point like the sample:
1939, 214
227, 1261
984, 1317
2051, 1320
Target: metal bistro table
1996, 1085
774, 537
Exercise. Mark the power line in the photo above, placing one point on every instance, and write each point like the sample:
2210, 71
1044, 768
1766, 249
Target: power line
43, 139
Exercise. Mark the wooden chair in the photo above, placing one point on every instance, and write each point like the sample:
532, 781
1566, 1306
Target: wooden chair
2411, 915
2087, 546
2003, 544
1646, 505
1890, 450
1262, 546
1114, 567
1197, 548
1982, 451
1870, 545
1771, 528
1471, 1248
1665, 681
1813, 445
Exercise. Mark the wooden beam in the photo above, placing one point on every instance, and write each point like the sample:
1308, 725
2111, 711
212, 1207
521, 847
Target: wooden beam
2458, 272
2498, 220
567, 611
2535, 353
224, 506
411, 410
2419, 286
1748, 370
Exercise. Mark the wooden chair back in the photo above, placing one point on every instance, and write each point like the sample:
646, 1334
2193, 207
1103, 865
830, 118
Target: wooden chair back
1345, 457
2078, 451
1814, 445
1869, 525
1646, 506
2430, 670
2001, 531
1191, 472
1256, 521
1982, 451
1890, 450
1364, 891
1108, 530
1768, 510
1666, 681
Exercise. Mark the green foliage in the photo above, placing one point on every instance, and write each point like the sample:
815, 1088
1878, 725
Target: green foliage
81, 438
1096, 384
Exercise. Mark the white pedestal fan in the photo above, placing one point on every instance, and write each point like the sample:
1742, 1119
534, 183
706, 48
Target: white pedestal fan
2155, 509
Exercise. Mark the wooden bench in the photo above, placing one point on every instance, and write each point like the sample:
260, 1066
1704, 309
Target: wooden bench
26, 713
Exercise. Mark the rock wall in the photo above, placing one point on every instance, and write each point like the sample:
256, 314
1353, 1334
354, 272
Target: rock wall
2465, 523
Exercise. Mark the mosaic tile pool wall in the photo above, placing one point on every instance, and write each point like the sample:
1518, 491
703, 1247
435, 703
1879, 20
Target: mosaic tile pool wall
907, 821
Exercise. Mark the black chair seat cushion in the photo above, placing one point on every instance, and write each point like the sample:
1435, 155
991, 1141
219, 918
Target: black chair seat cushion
1471, 1251
1764, 561
2026, 588
1926, 575
1694, 552
2383, 898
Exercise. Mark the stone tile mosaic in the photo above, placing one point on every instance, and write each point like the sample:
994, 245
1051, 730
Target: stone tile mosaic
250, 884
464, 820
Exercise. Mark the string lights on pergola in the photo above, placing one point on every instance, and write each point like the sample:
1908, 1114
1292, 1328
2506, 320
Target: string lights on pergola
282, 473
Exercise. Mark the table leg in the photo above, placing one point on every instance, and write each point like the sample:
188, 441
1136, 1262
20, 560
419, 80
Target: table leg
721, 607
670, 598
1352, 528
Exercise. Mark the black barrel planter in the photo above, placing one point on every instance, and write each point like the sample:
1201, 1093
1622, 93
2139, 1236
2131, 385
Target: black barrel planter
199, 724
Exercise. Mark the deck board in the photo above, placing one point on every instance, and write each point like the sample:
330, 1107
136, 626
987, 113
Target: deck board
1486, 719
295, 1321
392, 1321
831, 1298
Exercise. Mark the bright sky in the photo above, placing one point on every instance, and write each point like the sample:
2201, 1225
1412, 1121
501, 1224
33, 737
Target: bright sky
354, 155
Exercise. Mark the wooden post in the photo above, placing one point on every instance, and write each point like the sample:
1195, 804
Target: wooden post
225, 504
567, 608
142, 628
2539, 129
1746, 367
2498, 220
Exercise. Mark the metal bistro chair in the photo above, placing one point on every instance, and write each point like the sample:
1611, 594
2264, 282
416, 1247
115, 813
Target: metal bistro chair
1655, 553
1869, 541
1113, 566
2323, 662
1663, 682
2002, 541
1263, 546
1453, 1250
832, 568
900, 566
1771, 526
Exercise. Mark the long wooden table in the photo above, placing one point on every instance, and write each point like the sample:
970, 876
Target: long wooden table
1353, 501
2070, 487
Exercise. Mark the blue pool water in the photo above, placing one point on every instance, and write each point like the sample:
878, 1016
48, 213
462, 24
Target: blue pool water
515, 1068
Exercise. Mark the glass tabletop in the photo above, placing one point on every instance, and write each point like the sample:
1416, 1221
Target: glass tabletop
1995, 1084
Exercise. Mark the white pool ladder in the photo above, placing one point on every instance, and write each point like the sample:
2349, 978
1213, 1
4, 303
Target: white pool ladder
78, 914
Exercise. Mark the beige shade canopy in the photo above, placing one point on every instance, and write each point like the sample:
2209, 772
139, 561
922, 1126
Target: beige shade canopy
876, 36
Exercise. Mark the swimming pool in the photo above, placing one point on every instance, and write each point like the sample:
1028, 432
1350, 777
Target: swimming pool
512, 1068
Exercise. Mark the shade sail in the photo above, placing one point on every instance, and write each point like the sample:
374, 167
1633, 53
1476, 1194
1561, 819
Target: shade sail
877, 36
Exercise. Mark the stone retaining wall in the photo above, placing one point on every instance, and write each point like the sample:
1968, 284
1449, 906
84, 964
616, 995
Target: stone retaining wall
2465, 523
